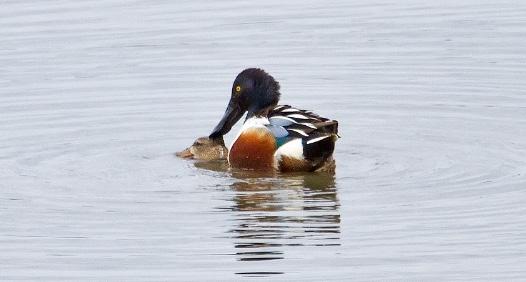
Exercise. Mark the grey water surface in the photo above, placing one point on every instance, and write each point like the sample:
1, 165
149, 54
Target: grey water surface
96, 96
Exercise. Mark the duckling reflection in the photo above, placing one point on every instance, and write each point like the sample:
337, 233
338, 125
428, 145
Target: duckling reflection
275, 213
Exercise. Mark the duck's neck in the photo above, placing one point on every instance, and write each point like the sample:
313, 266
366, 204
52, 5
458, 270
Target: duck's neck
259, 112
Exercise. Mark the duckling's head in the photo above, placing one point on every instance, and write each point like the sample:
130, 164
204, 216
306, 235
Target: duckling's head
253, 91
205, 148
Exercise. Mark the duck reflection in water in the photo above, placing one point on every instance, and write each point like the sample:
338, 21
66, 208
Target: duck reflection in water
293, 211
275, 211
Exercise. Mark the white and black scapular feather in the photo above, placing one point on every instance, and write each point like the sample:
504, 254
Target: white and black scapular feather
314, 134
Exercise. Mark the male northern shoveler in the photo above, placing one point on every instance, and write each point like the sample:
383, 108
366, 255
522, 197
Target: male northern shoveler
272, 136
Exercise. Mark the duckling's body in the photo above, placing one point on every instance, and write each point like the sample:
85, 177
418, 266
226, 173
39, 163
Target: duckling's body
275, 137
205, 148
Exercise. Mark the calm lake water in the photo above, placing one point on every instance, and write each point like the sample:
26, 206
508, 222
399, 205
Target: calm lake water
96, 96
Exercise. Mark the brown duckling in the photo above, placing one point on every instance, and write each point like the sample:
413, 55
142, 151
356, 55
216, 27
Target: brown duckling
205, 148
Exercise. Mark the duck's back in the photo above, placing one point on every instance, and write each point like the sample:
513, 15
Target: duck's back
287, 139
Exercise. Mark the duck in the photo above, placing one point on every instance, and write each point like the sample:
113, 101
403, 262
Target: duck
205, 149
274, 137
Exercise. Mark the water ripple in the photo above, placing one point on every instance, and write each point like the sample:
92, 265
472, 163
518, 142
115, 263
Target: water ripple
95, 97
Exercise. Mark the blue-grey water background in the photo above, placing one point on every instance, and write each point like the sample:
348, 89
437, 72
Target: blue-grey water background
96, 96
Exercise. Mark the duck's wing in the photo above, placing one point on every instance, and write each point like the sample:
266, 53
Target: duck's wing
302, 136
290, 122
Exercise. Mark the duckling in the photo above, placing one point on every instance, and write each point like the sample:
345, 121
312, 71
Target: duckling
205, 148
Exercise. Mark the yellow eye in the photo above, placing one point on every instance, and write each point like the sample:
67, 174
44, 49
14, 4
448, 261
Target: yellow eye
238, 88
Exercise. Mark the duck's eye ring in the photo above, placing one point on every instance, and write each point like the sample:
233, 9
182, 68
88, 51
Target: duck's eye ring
238, 88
